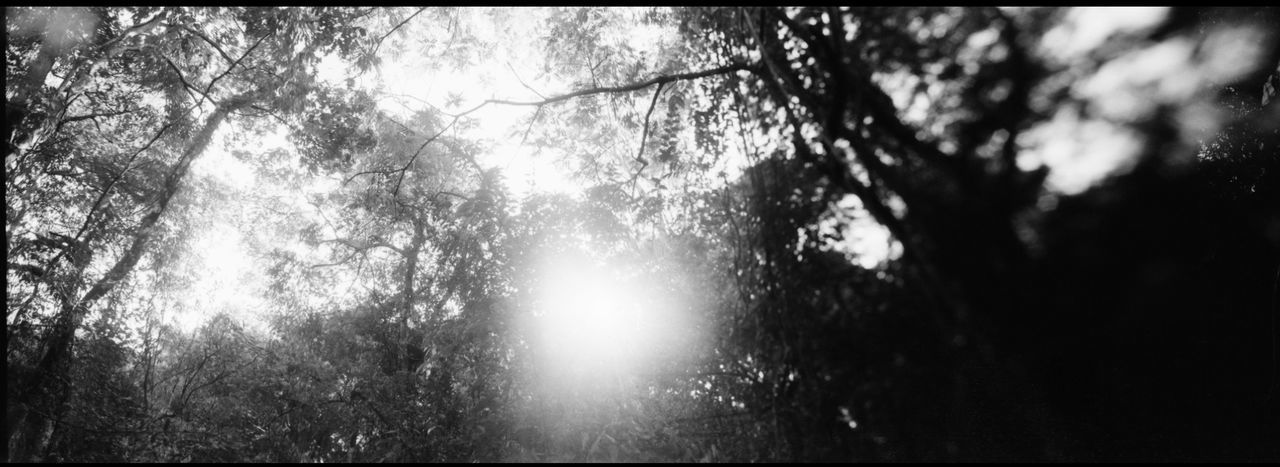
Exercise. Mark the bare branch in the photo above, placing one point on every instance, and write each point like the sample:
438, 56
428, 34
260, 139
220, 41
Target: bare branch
186, 85
142, 237
211, 43
530, 127
522, 83
363, 247
644, 134
94, 116
336, 263
660, 81
106, 191
407, 164
209, 88
450, 193
378, 44
624, 88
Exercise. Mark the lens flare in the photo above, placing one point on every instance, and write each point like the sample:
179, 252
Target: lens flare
590, 318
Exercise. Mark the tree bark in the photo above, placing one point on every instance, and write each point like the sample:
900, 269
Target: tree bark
28, 430
24, 134
407, 290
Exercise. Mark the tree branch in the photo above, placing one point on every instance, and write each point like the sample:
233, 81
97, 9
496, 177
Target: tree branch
106, 191
407, 164
95, 115
530, 127
659, 80
645, 134
211, 43
378, 44
209, 88
336, 263
186, 85
623, 88
522, 83
361, 248
131, 256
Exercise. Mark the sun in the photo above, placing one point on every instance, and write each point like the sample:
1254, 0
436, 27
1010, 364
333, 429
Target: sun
590, 319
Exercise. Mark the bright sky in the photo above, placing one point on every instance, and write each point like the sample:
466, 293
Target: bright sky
1079, 151
411, 82
414, 81
227, 277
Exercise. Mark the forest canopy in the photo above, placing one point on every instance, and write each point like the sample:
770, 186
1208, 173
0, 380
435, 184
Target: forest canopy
373, 234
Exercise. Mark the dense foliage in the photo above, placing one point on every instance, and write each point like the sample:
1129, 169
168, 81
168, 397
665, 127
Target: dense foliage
851, 234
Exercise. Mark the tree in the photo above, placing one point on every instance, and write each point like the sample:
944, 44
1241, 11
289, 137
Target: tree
947, 181
142, 52
840, 233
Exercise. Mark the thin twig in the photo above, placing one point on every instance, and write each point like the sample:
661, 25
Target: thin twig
95, 116
659, 80
644, 134
623, 88
211, 43
209, 88
522, 83
378, 45
97, 204
530, 127
186, 85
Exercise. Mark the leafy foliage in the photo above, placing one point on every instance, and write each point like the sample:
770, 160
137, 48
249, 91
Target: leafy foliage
849, 232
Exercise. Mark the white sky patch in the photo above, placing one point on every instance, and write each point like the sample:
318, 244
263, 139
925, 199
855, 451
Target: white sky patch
732, 162
331, 69
220, 166
509, 70
528, 172
648, 36
1086, 28
224, 281
1128, 87
498, 128
1079, 153
849, 229
63, 27
1179, 73
1233, 51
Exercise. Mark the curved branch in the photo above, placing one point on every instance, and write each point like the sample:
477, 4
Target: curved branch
407, 164
530, 127
215, 46
522, 83
659, 80
124, 265
77, 118
106, 191
623, 88
186, 85
361, 248
645, 134
378, 44
209, 88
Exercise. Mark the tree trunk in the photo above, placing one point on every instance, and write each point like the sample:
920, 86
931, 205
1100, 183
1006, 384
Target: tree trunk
25, 130
407, 290
28, 435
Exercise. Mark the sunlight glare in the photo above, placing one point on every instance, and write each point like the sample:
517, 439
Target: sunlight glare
590, 319
224, 282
